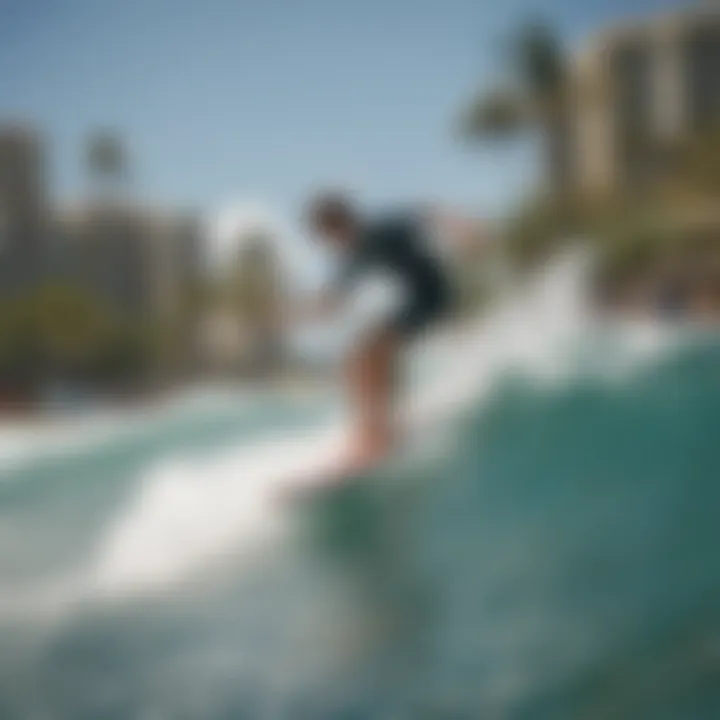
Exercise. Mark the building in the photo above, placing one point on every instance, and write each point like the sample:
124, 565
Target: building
174, 277
23, 207
141, 260
106, 291
104, 251
143, 264
638, 90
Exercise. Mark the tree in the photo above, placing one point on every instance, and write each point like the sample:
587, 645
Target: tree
70, 326
256, 295
698, 164
59, 332
106, 161
20, 352
533, 98
258, 278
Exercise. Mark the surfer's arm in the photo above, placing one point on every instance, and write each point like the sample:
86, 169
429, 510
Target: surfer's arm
330, 299
317, 307
454, 230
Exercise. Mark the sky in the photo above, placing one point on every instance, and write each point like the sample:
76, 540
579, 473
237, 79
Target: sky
226, 102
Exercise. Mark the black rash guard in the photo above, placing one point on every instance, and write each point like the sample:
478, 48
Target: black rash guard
396, 245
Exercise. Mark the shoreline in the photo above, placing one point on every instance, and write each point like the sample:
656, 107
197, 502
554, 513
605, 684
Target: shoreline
33, 417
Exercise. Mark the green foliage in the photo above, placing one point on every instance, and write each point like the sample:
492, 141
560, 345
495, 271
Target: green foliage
60, 331
105, 155
640, 240
539, 61
698, 163
255, 285
633, 251
539, 228
652, 231
534, 93
498, 114
533, 100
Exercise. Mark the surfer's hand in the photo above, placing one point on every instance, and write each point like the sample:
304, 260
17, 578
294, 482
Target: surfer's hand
315, 308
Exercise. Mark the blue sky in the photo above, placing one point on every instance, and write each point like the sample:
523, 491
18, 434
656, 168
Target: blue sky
266, 99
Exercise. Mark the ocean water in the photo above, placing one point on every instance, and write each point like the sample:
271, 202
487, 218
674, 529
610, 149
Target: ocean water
546, 546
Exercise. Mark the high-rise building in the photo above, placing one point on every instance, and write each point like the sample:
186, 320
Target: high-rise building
138, 260
22, 206
144, 264
639, 88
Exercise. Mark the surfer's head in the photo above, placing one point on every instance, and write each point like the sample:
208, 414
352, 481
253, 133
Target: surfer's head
334, 218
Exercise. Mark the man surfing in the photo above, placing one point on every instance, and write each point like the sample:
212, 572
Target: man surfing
397, 246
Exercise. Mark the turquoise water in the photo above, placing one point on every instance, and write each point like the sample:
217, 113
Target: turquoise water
558, 558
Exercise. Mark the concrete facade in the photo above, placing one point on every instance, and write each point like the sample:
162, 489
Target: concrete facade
638, 88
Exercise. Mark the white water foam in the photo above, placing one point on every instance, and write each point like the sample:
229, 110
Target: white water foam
189, 513
54, 437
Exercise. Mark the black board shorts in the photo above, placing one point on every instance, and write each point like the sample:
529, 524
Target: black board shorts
429, 301
397, 246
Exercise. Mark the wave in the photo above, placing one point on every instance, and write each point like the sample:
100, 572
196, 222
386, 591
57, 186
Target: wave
187, 513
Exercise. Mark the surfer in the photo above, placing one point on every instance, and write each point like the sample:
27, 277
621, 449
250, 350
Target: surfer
397, 246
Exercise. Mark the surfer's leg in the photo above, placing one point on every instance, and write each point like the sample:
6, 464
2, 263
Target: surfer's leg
373, 374
372, 382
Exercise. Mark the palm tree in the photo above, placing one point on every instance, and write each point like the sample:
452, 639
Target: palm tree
533, 99
71, 326
106, 162
257, 294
